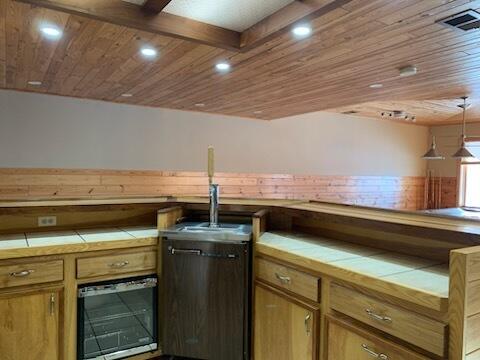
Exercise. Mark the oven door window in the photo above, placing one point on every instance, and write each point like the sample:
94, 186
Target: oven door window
117, 321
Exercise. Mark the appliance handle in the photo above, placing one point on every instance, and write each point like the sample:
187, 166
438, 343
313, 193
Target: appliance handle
116, 288
196, 252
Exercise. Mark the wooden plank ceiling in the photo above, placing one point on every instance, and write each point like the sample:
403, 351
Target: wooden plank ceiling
353, 45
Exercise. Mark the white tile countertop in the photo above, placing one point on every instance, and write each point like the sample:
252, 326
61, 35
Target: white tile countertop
68, 241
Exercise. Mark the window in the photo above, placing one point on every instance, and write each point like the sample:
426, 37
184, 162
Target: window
471, 177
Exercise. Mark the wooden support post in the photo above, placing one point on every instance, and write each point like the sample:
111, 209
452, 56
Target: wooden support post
464, 304
168, 217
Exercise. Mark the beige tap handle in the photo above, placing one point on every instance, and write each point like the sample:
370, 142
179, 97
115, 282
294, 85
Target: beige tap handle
211, 166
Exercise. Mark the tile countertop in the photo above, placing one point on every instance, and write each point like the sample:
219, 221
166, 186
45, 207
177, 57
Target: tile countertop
69, 241
414, 279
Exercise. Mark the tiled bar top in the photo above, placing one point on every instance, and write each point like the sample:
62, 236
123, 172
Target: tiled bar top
68, 241
419, 280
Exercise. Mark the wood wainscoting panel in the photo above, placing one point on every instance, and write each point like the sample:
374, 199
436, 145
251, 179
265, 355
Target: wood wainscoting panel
380, 191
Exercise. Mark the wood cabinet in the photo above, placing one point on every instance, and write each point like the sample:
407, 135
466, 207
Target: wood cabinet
346, 342
116, 264
399, 322
29, 326
285, 328
288, 278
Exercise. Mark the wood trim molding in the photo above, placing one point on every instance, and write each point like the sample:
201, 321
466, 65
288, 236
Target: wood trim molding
282, 20
151, 18
130, 15
156, 6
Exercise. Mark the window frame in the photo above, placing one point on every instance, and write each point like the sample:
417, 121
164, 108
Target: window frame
463, 173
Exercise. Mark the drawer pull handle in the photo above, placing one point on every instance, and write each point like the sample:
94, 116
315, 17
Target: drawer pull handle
373, 353
307, 323
377, 317
22, 273
119, 264
283, 279
52, 304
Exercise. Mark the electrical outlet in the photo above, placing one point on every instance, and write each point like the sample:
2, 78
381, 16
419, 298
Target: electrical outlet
47, 220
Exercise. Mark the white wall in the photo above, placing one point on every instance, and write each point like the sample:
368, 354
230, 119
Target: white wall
448, 141
49, 131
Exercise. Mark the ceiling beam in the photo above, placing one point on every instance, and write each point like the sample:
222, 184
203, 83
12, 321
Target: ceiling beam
131, 15
284, 19
156, 6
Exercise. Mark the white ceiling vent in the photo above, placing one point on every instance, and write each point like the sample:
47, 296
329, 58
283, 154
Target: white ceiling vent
466, 20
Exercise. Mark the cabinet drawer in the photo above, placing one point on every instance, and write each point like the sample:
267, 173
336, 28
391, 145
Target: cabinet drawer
346, 342
116, 264
406, 325
31, 273
293, 280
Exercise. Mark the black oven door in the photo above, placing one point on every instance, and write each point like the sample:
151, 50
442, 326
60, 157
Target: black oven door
117, 319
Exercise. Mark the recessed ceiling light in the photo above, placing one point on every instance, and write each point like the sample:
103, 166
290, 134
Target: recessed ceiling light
222, 66
200, 105
376, 86
258, 112
407, 71
302, 30
51, 31
34, 83
148, 52
126, 95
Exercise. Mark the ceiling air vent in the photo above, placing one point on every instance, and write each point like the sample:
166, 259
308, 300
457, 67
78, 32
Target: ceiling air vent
466, 20
350, 112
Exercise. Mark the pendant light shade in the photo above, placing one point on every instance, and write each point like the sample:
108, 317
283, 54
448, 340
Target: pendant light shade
463, 151
432, 153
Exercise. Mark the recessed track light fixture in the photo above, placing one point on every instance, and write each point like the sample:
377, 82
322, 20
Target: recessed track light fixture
51, 31
223, 66
302, 30
399, 114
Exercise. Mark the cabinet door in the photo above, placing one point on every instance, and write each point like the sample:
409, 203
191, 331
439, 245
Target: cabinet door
345, 342
285, 328
29, 326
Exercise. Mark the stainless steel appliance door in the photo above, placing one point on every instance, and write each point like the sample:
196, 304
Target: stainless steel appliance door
117, 319
204, 299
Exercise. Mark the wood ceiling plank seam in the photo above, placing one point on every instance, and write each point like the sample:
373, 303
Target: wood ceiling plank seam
416, 9
166, 89
77, 50
13, 17
97, 49
111, 59
127, 87
173, 87
131, 64
3, 44
293, 42
61, 50
29, 38
92, 57
168, 55
113, 64
126, 14
45, 50
174, 69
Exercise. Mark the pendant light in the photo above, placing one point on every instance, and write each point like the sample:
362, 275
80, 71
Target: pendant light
463, 151
432, 153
